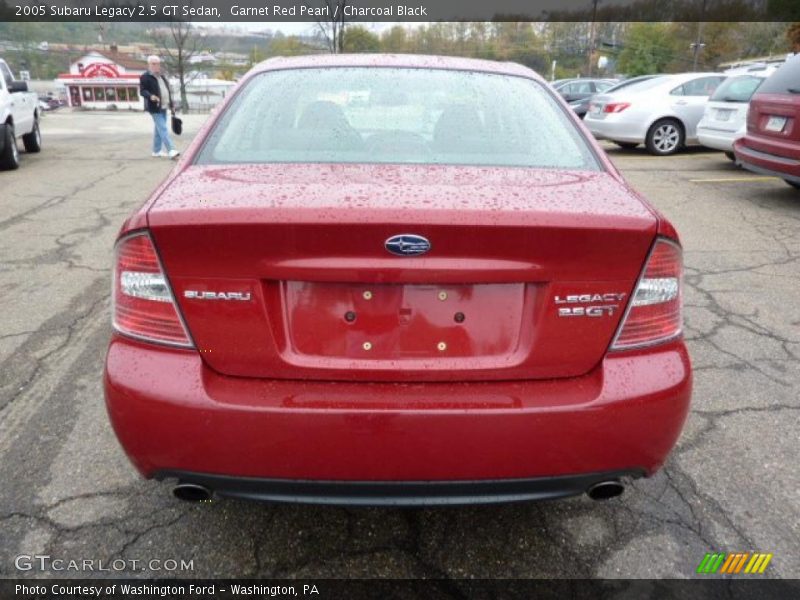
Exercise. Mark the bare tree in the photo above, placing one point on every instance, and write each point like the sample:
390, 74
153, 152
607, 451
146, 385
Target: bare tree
332, 28
178, 43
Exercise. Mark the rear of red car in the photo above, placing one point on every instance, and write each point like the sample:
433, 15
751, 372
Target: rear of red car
387, 286
772, 143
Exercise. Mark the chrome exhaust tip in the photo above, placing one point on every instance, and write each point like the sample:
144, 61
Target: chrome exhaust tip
191, 492
605, 490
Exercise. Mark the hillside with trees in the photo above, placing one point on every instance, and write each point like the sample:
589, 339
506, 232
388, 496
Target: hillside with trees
573, 48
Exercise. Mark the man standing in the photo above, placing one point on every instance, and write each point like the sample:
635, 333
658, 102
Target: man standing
154, 88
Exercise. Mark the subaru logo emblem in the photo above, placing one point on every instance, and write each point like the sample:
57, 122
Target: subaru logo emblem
407, 244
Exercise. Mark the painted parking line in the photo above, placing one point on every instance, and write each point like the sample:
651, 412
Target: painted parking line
673, 157
734, 179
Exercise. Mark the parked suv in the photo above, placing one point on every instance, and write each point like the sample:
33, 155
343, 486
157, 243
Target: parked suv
725, 118
772, 143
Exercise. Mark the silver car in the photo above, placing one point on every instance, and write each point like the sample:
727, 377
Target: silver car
725, 118
662, 112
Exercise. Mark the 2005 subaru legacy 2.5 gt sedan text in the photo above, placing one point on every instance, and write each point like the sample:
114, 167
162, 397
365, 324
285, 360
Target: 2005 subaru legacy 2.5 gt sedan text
396, 280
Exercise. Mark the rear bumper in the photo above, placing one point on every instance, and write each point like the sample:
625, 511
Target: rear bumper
615, 129
761, 160
716, 139
174, 416
405, 493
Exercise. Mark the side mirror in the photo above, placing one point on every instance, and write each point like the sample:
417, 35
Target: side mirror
18, 86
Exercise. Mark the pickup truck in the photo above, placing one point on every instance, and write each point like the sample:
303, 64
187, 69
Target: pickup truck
19, 117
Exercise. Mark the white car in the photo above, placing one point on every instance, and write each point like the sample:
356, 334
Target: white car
19, 118
661, 112
725, 118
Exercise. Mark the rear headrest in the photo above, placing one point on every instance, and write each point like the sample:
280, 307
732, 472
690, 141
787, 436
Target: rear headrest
457, 124
323, 114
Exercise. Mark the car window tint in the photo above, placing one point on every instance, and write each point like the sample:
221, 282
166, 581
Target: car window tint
703, 86
737, 89
785, 78
9, 78
393, 115
678, 91
602, 86
580, 87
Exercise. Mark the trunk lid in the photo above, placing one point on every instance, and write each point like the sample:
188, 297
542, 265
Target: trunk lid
725, 116
281, 271
776, 116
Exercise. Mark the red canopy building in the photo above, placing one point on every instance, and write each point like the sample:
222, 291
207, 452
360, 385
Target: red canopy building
107, 81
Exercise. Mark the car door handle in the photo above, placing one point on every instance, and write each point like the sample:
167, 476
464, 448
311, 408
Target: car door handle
682, 102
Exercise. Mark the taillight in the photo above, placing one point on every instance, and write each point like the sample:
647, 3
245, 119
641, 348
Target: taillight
143, 306
654, 313
616, 107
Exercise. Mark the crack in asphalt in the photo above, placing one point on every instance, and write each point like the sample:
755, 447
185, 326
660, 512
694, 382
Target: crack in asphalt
54, 201
440, 544
39, 362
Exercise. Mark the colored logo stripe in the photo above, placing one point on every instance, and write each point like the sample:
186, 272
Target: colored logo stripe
733, 563
710, 563
758, 563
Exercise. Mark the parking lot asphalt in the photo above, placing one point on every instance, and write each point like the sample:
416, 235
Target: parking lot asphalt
731, 485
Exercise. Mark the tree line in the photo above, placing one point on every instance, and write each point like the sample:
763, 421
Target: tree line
554, 49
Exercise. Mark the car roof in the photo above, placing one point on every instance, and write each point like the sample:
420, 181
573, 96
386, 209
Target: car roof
689, 76
417, 61
666, 80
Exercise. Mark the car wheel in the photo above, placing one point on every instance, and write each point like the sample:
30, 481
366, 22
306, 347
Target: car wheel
9, 159
794, 184
627, 145
665, 137
33, 140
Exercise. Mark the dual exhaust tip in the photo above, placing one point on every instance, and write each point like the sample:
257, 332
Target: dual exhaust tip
192, 492
605, 490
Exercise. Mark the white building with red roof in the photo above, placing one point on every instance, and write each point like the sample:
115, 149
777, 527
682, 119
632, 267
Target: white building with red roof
106, 81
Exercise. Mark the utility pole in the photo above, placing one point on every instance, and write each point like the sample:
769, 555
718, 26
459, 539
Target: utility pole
592, 38
698, 45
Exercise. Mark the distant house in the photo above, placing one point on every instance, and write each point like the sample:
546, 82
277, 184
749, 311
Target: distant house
106, 81
759, 63
110, 81
202, 57
203, 93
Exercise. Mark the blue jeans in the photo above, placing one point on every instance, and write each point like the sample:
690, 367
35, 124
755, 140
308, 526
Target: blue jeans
161, 133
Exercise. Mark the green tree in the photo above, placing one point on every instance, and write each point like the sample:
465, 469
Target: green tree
290, 46
357, 38
647, 48
394, 40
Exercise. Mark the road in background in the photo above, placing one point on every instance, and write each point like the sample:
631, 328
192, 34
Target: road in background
69, 492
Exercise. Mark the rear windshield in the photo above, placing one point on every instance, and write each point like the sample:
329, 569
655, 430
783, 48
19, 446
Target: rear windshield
641, 85
628, 83
737, 89
784, 80
394, 115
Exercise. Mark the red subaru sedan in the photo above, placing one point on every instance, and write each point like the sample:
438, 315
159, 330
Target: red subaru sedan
396, 280
772, 143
